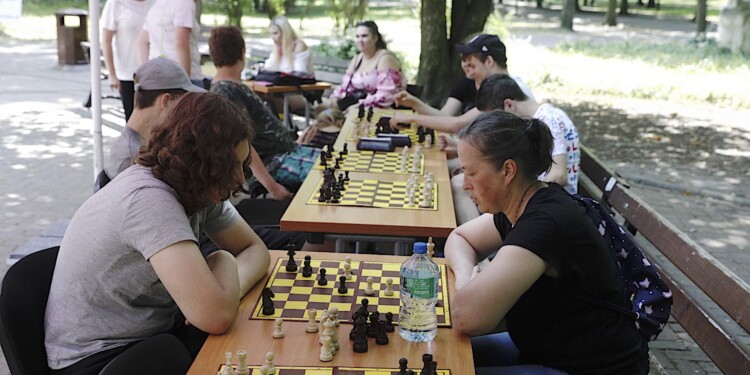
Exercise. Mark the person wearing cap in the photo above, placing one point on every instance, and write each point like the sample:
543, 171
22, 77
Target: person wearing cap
481, 57
131, 292
156, 83
172, 30
374, 76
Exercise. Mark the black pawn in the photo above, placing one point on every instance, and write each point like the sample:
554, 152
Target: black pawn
354, 326
337, 166
389, 322
291, 264
342, 285
362, 311
307, 268
361, 112
346, 176
402, 366
345, 150
381, 337
323, 160
322, 277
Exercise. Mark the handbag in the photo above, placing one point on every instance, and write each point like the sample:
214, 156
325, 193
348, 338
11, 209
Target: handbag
285, 79
353, 97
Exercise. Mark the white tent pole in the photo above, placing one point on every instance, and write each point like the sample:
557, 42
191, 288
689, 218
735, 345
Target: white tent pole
96, 86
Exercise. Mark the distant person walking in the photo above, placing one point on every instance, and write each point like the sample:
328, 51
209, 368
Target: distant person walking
122, 21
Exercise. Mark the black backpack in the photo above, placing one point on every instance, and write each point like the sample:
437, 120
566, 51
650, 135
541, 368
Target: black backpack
650, 297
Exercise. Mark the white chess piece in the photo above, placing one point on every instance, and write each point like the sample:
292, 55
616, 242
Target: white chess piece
333, 314
269, 364
263, 370
330, 330
414, 164
312, 326
278, 332
348, 271
410, 202
430, 247
242, 363
388, 287
323, 319
228, 369
326, 355
428, 141
369, 289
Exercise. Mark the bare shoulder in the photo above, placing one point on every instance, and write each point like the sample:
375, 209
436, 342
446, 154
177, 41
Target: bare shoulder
388, 61
300, 46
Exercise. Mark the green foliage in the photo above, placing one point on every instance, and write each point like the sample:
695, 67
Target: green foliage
346, 13
339, 48
497, 24
698, 56
49, 7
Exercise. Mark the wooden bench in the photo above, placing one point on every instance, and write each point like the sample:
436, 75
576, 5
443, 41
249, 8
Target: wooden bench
716, 314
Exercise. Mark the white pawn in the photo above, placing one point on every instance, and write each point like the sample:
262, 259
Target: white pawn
242, 363
263, 370
312, 326
330, 331
425, 202
410, 202
414, 163
269, 364
326, 354
348, 271
388, 287
405, 152
228, 370
428, 141
278, 332
430, 247
369, 290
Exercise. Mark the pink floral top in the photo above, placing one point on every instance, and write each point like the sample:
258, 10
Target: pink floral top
381, 86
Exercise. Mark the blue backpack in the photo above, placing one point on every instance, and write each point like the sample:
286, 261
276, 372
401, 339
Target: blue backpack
650, 297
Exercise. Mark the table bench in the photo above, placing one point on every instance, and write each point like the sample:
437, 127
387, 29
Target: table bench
716, 314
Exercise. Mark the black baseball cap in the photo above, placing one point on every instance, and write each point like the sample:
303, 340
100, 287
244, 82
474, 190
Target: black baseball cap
486, 44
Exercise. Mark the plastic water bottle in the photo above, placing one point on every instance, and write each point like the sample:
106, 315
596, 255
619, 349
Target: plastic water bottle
417, 320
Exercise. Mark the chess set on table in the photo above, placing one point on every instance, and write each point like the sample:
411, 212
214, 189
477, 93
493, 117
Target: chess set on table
372, 124
295, 294
371, 161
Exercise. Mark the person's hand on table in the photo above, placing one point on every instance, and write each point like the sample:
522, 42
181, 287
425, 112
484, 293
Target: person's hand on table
114, 83
405, 99
279, 192
448, 144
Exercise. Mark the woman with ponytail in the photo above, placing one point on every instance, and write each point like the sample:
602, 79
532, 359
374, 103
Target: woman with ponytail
545, 245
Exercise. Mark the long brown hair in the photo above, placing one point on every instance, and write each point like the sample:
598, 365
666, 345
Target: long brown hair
192, 149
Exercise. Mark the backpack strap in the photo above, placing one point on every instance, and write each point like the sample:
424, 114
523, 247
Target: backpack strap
598, 302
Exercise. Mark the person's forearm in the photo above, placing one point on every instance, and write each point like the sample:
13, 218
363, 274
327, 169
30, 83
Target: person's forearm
252, 264
461, 258
259, 170
143, 47
182, 43
109, 59
225, 269
448, 124
425, 109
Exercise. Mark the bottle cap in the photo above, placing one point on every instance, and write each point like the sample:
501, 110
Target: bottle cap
420, 248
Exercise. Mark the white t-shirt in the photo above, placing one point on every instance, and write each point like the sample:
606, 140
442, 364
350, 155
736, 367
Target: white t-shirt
302, 62
162, 20
566, 141
125, 18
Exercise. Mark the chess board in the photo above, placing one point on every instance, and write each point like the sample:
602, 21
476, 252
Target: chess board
374, 162
296, 294
377, 193
298, 370
411, 131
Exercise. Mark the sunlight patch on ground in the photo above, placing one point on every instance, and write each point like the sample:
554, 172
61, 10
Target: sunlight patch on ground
733, 152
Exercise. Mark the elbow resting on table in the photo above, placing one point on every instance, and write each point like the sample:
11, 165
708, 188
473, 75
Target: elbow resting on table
219, 322
469, 321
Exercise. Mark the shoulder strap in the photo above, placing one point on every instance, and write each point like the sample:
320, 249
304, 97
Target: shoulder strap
598, 302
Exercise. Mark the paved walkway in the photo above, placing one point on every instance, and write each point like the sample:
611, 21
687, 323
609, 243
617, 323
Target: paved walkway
47, 172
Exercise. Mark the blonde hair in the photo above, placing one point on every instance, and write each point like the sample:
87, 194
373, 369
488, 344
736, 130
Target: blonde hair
288, 40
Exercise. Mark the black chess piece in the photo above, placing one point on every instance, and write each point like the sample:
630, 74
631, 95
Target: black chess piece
291, 264
337, 165
389, 327
402, 366
360, 336
361, 111
370, 113
433, 368
345, 150
342, 285
362, 311
372, 327
381, 338
427, 360
354, 326
267, 301
307, 268
322, 277
410, 372
346, 176
329, 151
323, 160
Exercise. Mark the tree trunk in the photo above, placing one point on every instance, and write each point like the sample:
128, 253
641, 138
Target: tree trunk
566, 15
610, 18
700, 17
439, 66
539, 4
624, 7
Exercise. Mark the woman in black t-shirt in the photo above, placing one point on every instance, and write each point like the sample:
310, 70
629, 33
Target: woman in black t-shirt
546, 245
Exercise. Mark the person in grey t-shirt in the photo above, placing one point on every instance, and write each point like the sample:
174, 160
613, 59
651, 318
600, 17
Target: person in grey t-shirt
129, 270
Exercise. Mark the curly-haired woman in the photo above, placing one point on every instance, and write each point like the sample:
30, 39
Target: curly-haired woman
131, 290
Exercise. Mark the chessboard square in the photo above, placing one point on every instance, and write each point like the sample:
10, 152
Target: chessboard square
336, 294
317, 372
296, 305
343, 298
363, 286
388, 309
440, 310
342, 307
370, 272
378, 372
283, 282
372, 300
320, 298
300, 296
279, 297
320, 306
389, 301
306, 282
294, 313
328, 265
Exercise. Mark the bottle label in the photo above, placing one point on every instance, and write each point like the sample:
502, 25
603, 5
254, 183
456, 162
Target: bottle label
420, 288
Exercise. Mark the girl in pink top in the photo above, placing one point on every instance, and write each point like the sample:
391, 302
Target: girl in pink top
375, 70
